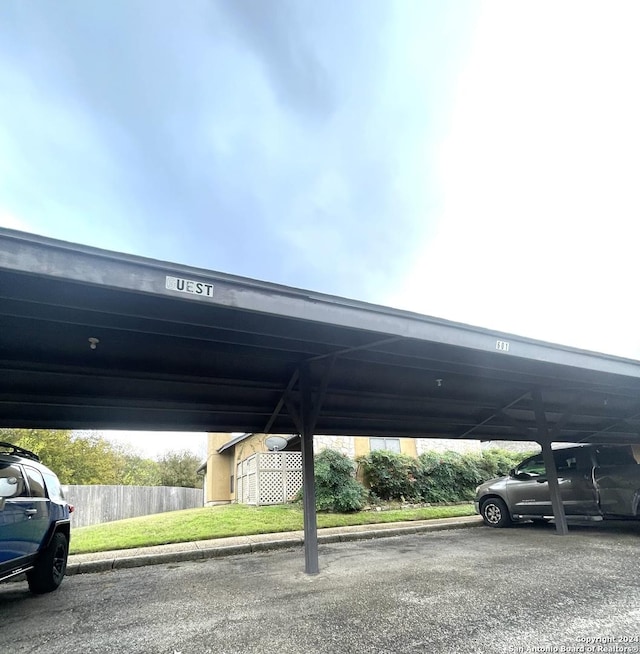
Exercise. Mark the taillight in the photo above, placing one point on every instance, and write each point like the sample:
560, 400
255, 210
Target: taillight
71, 508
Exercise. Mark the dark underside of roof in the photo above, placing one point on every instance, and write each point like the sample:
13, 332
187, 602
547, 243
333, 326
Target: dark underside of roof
169, 362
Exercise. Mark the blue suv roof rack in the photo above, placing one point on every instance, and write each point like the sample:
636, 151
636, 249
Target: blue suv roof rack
14, 450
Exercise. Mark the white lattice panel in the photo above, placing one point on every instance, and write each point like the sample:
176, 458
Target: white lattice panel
271, 487
271, 460
240, 482
293, 461
252, 490
292, 483
269, 477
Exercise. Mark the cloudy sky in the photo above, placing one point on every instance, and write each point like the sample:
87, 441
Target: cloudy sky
476, 161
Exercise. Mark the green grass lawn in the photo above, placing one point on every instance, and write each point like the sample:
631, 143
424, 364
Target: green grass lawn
232, 520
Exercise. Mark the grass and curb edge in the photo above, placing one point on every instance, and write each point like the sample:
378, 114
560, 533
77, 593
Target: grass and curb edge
253, 544
235, 520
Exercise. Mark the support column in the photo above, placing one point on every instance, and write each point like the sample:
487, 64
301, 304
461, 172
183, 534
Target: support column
550, 465
554, 489
311, 566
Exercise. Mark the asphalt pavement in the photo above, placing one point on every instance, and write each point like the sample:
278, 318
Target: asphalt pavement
205, 549
461, 590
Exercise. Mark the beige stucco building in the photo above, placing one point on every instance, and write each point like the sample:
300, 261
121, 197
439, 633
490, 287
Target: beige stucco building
226, 453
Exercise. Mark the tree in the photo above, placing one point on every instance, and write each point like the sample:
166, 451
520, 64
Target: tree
76, 459
138, 471
179, 469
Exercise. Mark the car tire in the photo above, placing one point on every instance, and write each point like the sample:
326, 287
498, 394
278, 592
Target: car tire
495, 513
49, 570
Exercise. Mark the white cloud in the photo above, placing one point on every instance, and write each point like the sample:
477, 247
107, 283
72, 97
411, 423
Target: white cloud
155, 443
9, 221
540, 211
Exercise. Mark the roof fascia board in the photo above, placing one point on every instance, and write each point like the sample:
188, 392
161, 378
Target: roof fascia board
233, 441
33, 255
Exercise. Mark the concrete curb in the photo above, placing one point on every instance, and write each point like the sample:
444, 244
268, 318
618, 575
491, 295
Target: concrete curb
200, 550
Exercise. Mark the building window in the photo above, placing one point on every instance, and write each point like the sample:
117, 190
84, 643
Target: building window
231, 485
389, 444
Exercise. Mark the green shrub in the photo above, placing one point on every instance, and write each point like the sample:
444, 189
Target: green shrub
447, 477
336, 487
390, 476
497, 463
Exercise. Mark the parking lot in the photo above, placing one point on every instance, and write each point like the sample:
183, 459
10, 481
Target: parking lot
471, 590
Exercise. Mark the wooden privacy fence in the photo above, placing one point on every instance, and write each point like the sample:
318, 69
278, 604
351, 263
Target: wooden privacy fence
97, 504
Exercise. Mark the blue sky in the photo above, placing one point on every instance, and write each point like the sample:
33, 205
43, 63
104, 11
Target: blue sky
475, 160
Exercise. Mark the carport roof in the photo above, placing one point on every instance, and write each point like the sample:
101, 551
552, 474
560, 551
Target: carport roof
182, 348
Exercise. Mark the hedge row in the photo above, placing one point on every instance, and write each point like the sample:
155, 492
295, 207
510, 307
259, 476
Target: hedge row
433, 476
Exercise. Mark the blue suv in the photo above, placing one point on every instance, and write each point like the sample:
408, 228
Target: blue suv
34, 520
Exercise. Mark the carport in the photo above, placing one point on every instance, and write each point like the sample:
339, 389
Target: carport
91, 339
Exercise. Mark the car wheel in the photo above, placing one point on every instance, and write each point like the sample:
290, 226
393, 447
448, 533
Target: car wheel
495, 513
48, 572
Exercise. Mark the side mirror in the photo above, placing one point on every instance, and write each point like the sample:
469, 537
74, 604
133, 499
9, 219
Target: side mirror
512, 472
8, 486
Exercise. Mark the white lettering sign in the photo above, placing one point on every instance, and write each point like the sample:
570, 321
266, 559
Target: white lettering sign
189, 286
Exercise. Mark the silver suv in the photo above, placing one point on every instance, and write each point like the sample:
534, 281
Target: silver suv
34, 520
596, 482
